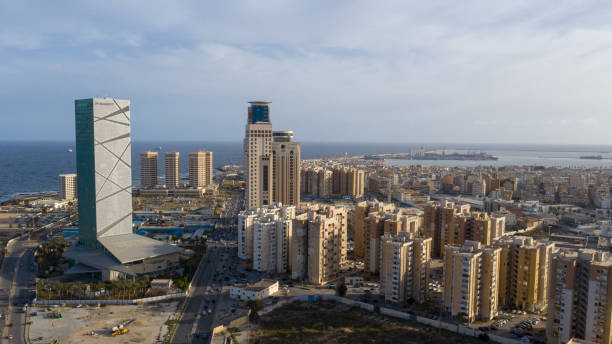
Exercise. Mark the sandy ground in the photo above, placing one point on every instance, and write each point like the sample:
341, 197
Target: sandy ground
77, 324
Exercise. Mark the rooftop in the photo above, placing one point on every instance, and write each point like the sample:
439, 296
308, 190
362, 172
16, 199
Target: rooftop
132, 247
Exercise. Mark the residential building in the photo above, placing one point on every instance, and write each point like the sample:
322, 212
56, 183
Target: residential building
319, 243
580, 302
67, 186
148, 169
257, 291
524, 273
270, 222
200, 169
376, 225
272, 235
438, 220
107, 248
258, 155
475, 226
361, 212
286, 161
172, 169
471, 281
405, 263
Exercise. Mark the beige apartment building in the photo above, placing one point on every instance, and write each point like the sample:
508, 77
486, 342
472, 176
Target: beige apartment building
524, 273
376, 225
438, 219
360, 213
172, 169
67, 186
286, 160
452, 224
257, 155
471, 281
200, 169
405, 265
319, 244
474, 226
333, 181
580, 303
148, 169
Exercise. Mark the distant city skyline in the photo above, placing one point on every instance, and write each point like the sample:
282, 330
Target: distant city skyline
471, 72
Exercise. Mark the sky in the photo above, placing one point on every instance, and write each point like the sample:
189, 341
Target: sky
350, 71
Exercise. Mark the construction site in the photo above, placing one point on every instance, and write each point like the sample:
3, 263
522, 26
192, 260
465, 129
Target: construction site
107, 324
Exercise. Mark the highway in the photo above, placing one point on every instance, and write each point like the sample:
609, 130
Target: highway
16, 277
200, 299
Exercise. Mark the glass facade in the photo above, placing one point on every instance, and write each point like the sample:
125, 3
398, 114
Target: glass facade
86, 191
259, 114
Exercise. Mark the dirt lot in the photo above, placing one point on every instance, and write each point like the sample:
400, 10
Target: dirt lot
77, 324
330, 322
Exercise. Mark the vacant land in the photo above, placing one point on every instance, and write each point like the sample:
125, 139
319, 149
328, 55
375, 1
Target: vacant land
91, 325
331, 322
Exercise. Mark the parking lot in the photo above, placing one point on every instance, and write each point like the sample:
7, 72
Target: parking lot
528, 328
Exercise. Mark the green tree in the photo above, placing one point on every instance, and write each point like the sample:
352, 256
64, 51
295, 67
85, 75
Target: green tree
254, 306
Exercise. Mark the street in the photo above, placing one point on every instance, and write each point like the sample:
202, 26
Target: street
16, 277
201, 299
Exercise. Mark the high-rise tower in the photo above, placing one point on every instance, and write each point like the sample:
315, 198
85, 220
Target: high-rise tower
172, 169
285, 168
257, 155
107, 248
148, 169
200, 169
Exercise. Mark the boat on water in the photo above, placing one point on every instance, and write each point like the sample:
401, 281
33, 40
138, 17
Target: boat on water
591, 157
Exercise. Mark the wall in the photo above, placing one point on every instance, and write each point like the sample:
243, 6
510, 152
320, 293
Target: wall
111, 302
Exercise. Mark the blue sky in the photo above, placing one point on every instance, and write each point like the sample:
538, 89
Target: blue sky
374, 71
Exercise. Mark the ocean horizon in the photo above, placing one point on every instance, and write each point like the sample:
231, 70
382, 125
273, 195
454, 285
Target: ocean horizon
34, 166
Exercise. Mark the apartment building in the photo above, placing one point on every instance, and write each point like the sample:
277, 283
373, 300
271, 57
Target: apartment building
286, 160
360, 213
438, 218
405, 265
471, 281
200, 169
475, 226
375, 226
148, 169
524, 273
580, 303
270, 223
171, 161
67, 186
272, 241
326, 181
319, 244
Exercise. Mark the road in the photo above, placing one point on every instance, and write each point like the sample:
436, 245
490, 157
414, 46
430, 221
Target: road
200, 299
16, 276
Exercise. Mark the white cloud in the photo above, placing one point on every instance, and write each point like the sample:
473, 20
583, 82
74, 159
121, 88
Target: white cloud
334, 70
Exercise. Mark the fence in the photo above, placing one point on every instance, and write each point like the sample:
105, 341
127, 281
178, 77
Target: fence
468, 331
111, 302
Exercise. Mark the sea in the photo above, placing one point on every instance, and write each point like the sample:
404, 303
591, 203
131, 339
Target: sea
33, 167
